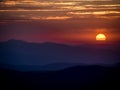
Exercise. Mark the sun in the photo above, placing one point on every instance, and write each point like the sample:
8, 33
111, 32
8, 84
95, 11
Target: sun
100, 37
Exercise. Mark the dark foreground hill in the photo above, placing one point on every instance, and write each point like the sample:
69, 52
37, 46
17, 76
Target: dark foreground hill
78, 77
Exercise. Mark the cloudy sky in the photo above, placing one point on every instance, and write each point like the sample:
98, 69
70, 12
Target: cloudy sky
66, 21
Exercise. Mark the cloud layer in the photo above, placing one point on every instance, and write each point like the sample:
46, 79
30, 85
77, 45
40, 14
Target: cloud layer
62, 9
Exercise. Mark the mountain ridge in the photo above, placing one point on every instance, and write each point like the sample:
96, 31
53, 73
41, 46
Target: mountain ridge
24, 53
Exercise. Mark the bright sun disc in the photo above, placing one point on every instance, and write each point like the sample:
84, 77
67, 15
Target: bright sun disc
100, 37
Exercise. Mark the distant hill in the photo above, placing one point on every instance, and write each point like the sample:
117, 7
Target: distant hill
49, 67
18, 52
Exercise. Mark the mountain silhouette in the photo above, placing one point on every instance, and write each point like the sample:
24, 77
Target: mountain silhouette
48, 67
52, 65
22, 53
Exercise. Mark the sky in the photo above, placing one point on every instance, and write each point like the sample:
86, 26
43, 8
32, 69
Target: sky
62, 21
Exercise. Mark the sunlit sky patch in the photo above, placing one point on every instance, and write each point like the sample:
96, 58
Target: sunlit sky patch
59, 20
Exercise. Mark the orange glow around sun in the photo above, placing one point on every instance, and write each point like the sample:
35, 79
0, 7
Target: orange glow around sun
100, 37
